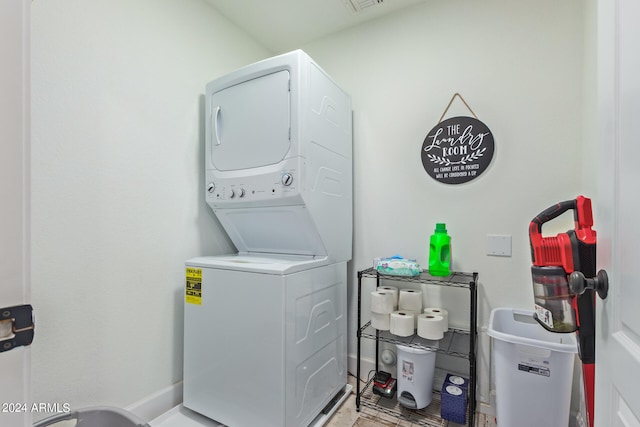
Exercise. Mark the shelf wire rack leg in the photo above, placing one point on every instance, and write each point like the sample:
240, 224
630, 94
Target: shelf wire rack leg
472, 346
358, 346
377, 330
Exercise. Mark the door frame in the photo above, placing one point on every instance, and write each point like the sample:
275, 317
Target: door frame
15, 289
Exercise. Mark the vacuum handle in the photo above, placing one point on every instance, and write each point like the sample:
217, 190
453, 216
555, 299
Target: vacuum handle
551, 213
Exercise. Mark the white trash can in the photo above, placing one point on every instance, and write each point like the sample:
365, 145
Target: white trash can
416, 369
533, 370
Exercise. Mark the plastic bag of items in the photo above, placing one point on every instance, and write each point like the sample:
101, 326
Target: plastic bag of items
398, 266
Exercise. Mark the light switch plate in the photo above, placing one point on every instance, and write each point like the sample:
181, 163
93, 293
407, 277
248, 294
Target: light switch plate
499, 245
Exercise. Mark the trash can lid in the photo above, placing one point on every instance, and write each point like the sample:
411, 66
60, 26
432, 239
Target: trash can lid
419, 341
518, 326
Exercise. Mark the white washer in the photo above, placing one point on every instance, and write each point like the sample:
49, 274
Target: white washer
267, 344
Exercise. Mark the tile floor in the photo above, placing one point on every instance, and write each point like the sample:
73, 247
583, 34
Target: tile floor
347, 416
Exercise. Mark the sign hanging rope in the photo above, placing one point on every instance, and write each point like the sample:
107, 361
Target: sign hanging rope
451, 102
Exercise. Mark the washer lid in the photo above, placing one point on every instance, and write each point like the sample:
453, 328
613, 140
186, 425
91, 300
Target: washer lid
273, 230
276, 264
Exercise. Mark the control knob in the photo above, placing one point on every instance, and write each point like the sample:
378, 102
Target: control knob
287, 179
211, 187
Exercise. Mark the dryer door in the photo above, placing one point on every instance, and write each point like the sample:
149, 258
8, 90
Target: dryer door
249, 123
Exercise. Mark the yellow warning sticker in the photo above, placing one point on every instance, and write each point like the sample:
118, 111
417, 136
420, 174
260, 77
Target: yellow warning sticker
193, 288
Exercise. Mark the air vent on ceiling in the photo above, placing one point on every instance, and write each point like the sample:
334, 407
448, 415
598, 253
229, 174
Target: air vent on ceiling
357, 6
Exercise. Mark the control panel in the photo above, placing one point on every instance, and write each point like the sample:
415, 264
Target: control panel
225, 191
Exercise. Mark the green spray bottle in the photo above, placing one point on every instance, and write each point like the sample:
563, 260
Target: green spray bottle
440, 252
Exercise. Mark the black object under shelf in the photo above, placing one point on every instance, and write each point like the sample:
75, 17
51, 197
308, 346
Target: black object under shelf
456, 342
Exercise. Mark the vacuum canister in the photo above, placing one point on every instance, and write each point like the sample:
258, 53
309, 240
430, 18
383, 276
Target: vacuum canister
553, 299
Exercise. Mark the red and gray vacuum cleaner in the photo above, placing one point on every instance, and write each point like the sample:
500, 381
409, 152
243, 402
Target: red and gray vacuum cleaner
565, 282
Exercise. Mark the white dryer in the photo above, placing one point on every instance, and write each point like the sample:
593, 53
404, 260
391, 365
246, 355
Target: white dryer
265, 329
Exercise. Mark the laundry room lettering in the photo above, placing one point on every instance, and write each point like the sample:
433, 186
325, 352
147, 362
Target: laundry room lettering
457, 150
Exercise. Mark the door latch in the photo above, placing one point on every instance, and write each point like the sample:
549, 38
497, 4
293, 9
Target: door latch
22, 328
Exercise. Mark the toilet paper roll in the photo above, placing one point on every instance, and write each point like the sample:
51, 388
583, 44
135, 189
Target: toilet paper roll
380, 321
430, 326
457, 381
410, 299
382, 302
394, 291
401, 323
439, 312
415, 314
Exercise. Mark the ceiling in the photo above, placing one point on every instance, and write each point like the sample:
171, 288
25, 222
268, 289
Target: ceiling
283, 25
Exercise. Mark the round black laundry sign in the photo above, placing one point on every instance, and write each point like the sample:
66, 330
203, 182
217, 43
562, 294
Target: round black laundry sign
457, 150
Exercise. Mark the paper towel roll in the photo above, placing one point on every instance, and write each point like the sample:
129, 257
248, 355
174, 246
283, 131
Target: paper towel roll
380, 321
394, 291
382, 302
410, 299
430, 326
402, 323
439, 312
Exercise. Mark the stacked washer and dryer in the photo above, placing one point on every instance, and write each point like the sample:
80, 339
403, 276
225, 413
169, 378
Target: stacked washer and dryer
265, 339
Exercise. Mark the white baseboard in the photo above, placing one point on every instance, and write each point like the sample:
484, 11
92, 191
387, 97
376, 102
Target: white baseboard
158, 403
485, 408
366, 366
